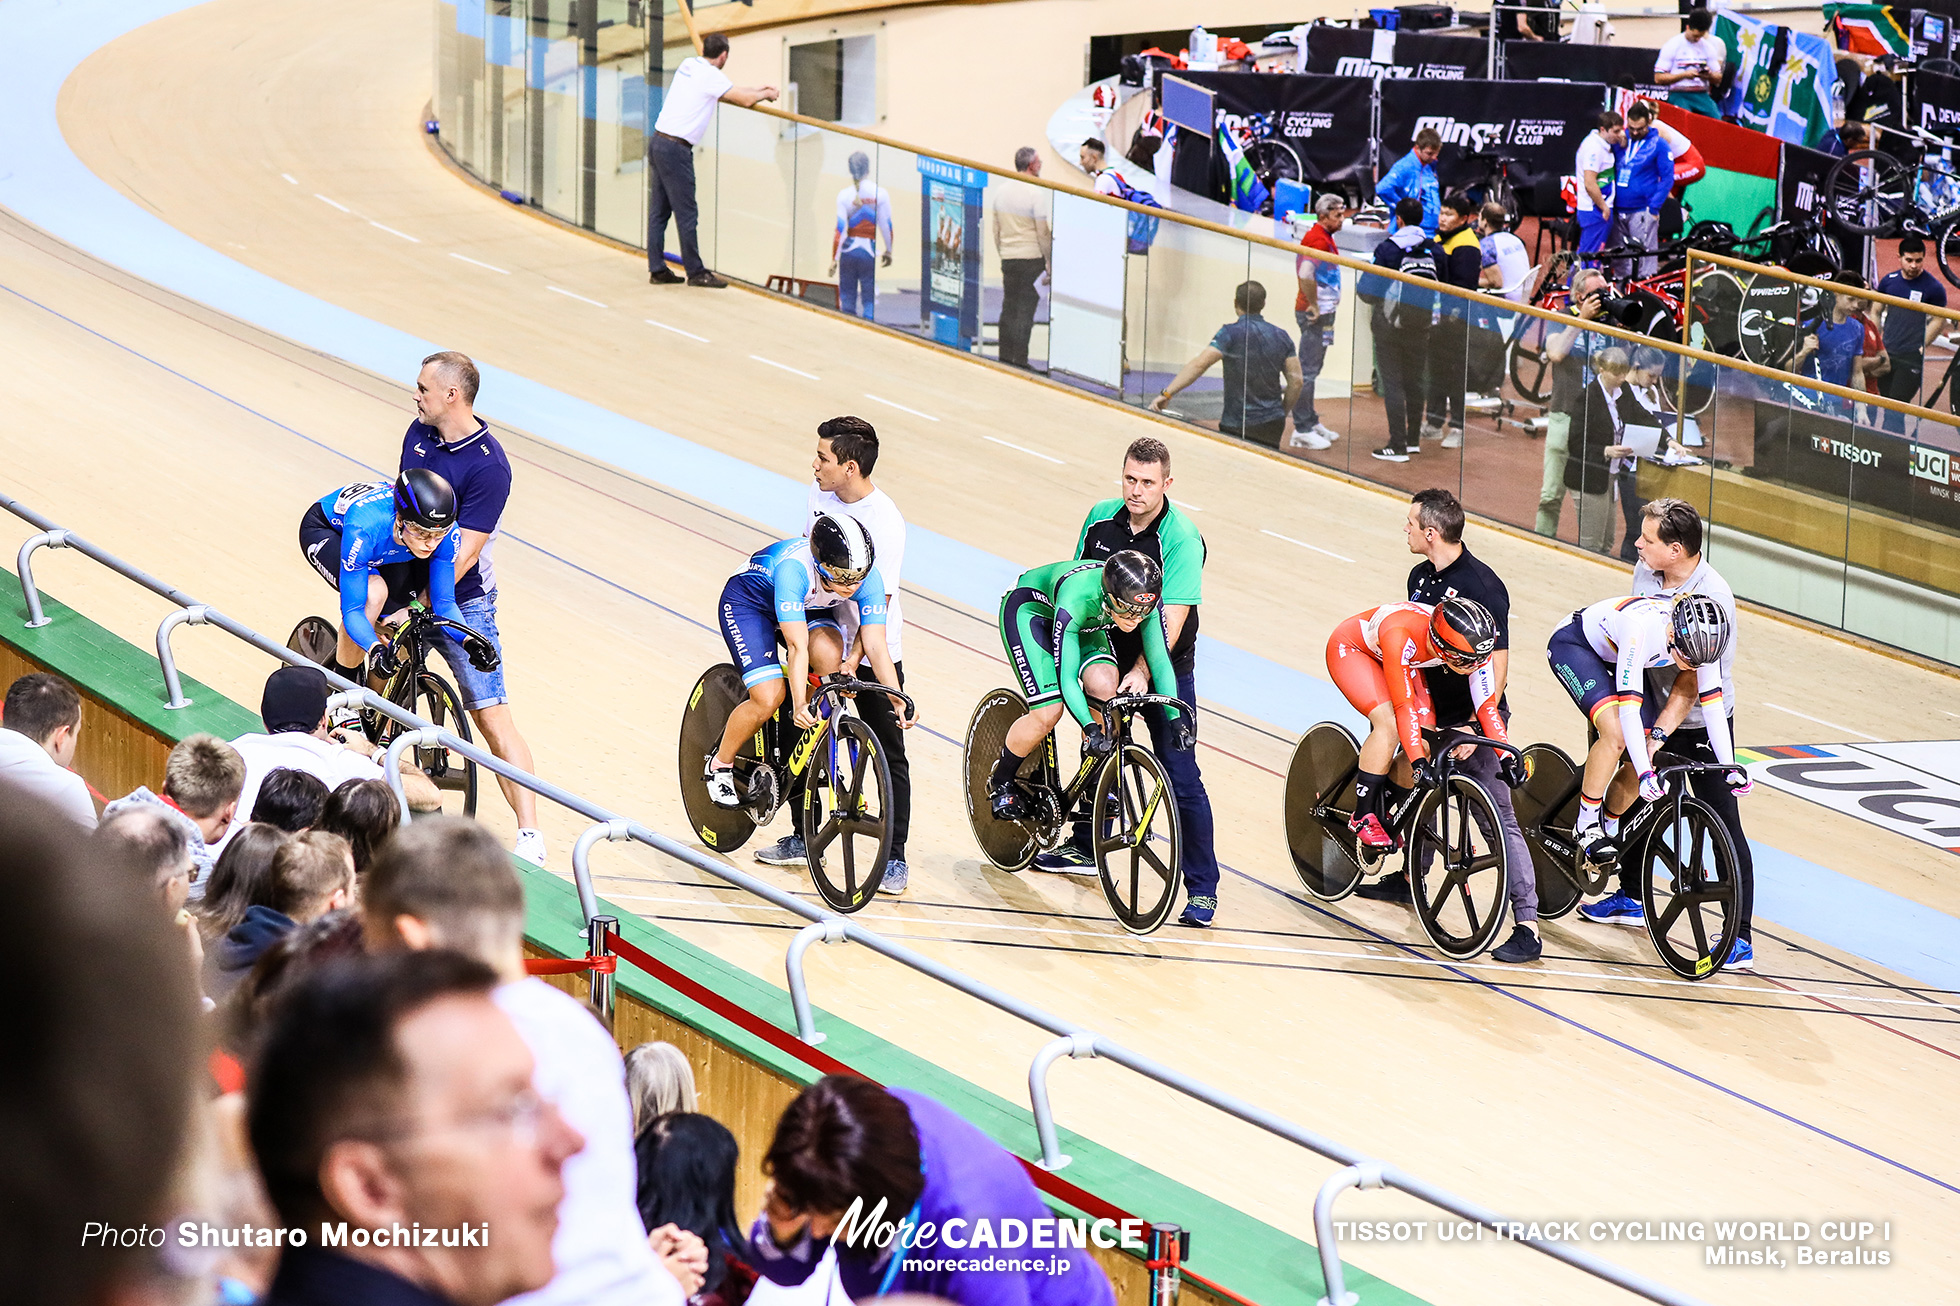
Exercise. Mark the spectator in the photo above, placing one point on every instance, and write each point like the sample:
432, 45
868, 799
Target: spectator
1459, 263
1646, 384
289, 799
1400, 324
294, 709
1022, 238
864, 213
449, 439
687, 1179
240, 878
202, 779
102, 1048
1093, 155
1503, 268
39, 729
1598, 427
1834, 351
1262, 377
391, 1091
1908, 332
154, 844
1567, 350
659, 1082
1597, 164
1874, 363
1690, 67
311, 875
1314, 306
445, 883
686, 110
1848, 139
364, 813
292, 954
1413, 176
844, 1138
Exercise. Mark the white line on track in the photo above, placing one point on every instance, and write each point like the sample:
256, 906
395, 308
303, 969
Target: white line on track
413, 240
900, 407
336, 203
289, 177
1822, 722
1303, 544
1188, 507
1024, 449
1338, 954
490, 267
560, 290
676, 330
808, 376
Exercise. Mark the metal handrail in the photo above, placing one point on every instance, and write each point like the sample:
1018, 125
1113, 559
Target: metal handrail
1071, 1039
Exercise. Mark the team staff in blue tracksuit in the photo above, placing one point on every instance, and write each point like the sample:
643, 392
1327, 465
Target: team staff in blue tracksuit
1414, 176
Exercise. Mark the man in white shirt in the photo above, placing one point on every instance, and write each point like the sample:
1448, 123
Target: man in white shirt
1690, 67
294, 709
1505, 270
42, 722
447, 883
1024, 242
1597, 164
847, 450
686, 110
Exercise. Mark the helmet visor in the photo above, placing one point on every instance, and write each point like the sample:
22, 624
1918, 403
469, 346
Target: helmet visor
1136, 608
415, 533
1459, 660
842, 577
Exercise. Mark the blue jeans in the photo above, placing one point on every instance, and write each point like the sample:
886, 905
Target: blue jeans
478, 688
1200, 856
1316, 334
857, 282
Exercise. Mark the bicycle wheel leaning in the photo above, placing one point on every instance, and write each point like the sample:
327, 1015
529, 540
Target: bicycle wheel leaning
1549, 781
1868, 191
1946, 241
1009, 845
1688, 889
1319, 803
845, 819
434, 700
1139, 850
715, 695
1457, 868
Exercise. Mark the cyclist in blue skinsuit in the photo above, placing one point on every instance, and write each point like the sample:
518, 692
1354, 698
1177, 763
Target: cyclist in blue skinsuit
387, 543
809, 591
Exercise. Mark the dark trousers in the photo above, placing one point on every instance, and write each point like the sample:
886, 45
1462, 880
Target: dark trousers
880, 712
857, 283
1486, 355
1448, 342
1902, 383
1522, 886
1200, 855
1399, 363
1266, 433
1631, 503
1315, 334
670, 169
1712, 787
1018, 301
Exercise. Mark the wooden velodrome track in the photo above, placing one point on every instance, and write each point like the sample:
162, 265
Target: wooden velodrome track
1585, 1087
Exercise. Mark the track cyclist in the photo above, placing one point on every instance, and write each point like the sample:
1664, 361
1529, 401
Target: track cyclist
380, 537
1055, 624
796, 591
1601, 656
1375, 658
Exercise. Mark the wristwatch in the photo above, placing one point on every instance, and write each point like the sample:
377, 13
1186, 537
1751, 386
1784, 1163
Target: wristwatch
1658, 735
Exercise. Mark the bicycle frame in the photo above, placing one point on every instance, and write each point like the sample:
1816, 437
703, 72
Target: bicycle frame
1116, 712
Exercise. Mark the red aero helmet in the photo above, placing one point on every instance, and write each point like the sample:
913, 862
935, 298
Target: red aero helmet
1464, 632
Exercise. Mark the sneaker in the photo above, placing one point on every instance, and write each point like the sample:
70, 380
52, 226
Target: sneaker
1069, 859
721, 786
896, 878
1454, 440
1742, 956
1198, 913
1007, 802
530, 847
786, 851
1615, 910
666, 276
706, 281
1369, 831
1326, 432
1393, 887
1523, 945
1432, 430
1391, 455
1308, 439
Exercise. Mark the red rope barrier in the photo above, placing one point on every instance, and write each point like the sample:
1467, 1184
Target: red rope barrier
574, 966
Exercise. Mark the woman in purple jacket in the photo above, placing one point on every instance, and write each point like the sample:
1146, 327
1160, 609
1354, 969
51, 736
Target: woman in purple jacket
847, 1139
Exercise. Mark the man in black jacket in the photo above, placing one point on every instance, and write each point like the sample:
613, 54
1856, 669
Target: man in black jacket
1401, 320
1459, 262
1596, 439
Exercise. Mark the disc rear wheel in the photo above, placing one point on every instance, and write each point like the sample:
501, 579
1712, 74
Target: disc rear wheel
1549, 798
1010, 845
1319, 803
715, 695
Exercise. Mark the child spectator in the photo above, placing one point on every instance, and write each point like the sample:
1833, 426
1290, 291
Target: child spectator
289, 799
241, 877
202, 780
312, 874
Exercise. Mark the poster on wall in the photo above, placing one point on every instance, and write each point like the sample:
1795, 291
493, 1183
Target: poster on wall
949, 245
1347, 52
1540, 131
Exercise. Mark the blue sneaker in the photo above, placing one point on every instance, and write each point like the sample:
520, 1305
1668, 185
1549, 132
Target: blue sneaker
786, 851
1198, 912
1742, 956
1616, 910
896, 878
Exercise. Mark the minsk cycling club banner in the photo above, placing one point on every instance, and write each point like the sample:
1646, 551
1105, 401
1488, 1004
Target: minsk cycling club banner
1327, 120
1608, 65
1345, 52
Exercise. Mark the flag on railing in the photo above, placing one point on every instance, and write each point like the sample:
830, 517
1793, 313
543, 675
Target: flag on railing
1868, 29
1783, 79
1248, 192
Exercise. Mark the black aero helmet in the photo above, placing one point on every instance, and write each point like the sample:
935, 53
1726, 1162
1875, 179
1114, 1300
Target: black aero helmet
1698, 628
1464, 632
841, 547
424, 499
1131, 583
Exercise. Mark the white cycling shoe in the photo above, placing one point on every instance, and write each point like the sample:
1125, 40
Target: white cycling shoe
721, 785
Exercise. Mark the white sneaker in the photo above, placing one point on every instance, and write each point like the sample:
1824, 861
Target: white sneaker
1326, 432
1454, 440
721, 786
1308, 439
1432, 430
530, 847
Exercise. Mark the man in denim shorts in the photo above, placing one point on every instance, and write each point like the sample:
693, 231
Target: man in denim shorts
449, 439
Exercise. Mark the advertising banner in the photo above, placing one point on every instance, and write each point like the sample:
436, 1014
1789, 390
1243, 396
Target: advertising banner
1327, 121
949, 244
1540, 129
1880, 470
1609, 65
1939, 104
1906, 788
1800, 191
1345, 52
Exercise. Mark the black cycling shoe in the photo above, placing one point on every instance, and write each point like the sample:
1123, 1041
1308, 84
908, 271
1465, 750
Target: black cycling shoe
1522, 946
1007, 802
1599, 850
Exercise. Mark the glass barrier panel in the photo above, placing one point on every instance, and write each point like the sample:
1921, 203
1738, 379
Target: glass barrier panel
1019, 229
1191, 275
619, 122
753, 171
453, 77
504, 162
556, 75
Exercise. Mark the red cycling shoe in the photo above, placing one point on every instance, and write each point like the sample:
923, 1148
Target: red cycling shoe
1369, 831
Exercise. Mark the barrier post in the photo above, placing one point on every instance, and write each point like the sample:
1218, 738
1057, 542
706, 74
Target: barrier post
1077, 1045
24, 567
195, 615
614, 831
1368, 1174
1681, 383
824, 931
598, 943
1168, 1247
391, 765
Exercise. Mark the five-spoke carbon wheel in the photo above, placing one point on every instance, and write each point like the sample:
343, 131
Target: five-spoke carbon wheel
1688, 889
1138, 848
1457, 867
845, 818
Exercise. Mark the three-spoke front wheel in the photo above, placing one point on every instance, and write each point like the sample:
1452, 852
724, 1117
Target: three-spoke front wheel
1139, 852
845, 818
1458, 868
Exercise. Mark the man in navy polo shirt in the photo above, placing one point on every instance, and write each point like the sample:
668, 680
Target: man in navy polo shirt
449, 439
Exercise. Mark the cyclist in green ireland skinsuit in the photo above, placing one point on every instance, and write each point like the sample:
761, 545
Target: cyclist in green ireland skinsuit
1055, 624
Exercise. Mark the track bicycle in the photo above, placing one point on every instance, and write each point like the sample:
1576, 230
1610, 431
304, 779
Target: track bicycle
1447, 827
843, 803
1686, 860
1875, 193
1134, 835
1486, 178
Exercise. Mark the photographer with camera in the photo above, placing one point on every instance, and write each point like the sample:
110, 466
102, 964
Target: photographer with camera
1569, 351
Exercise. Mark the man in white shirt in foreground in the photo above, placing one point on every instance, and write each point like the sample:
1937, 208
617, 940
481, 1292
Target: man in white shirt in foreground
686, 111
43, 721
